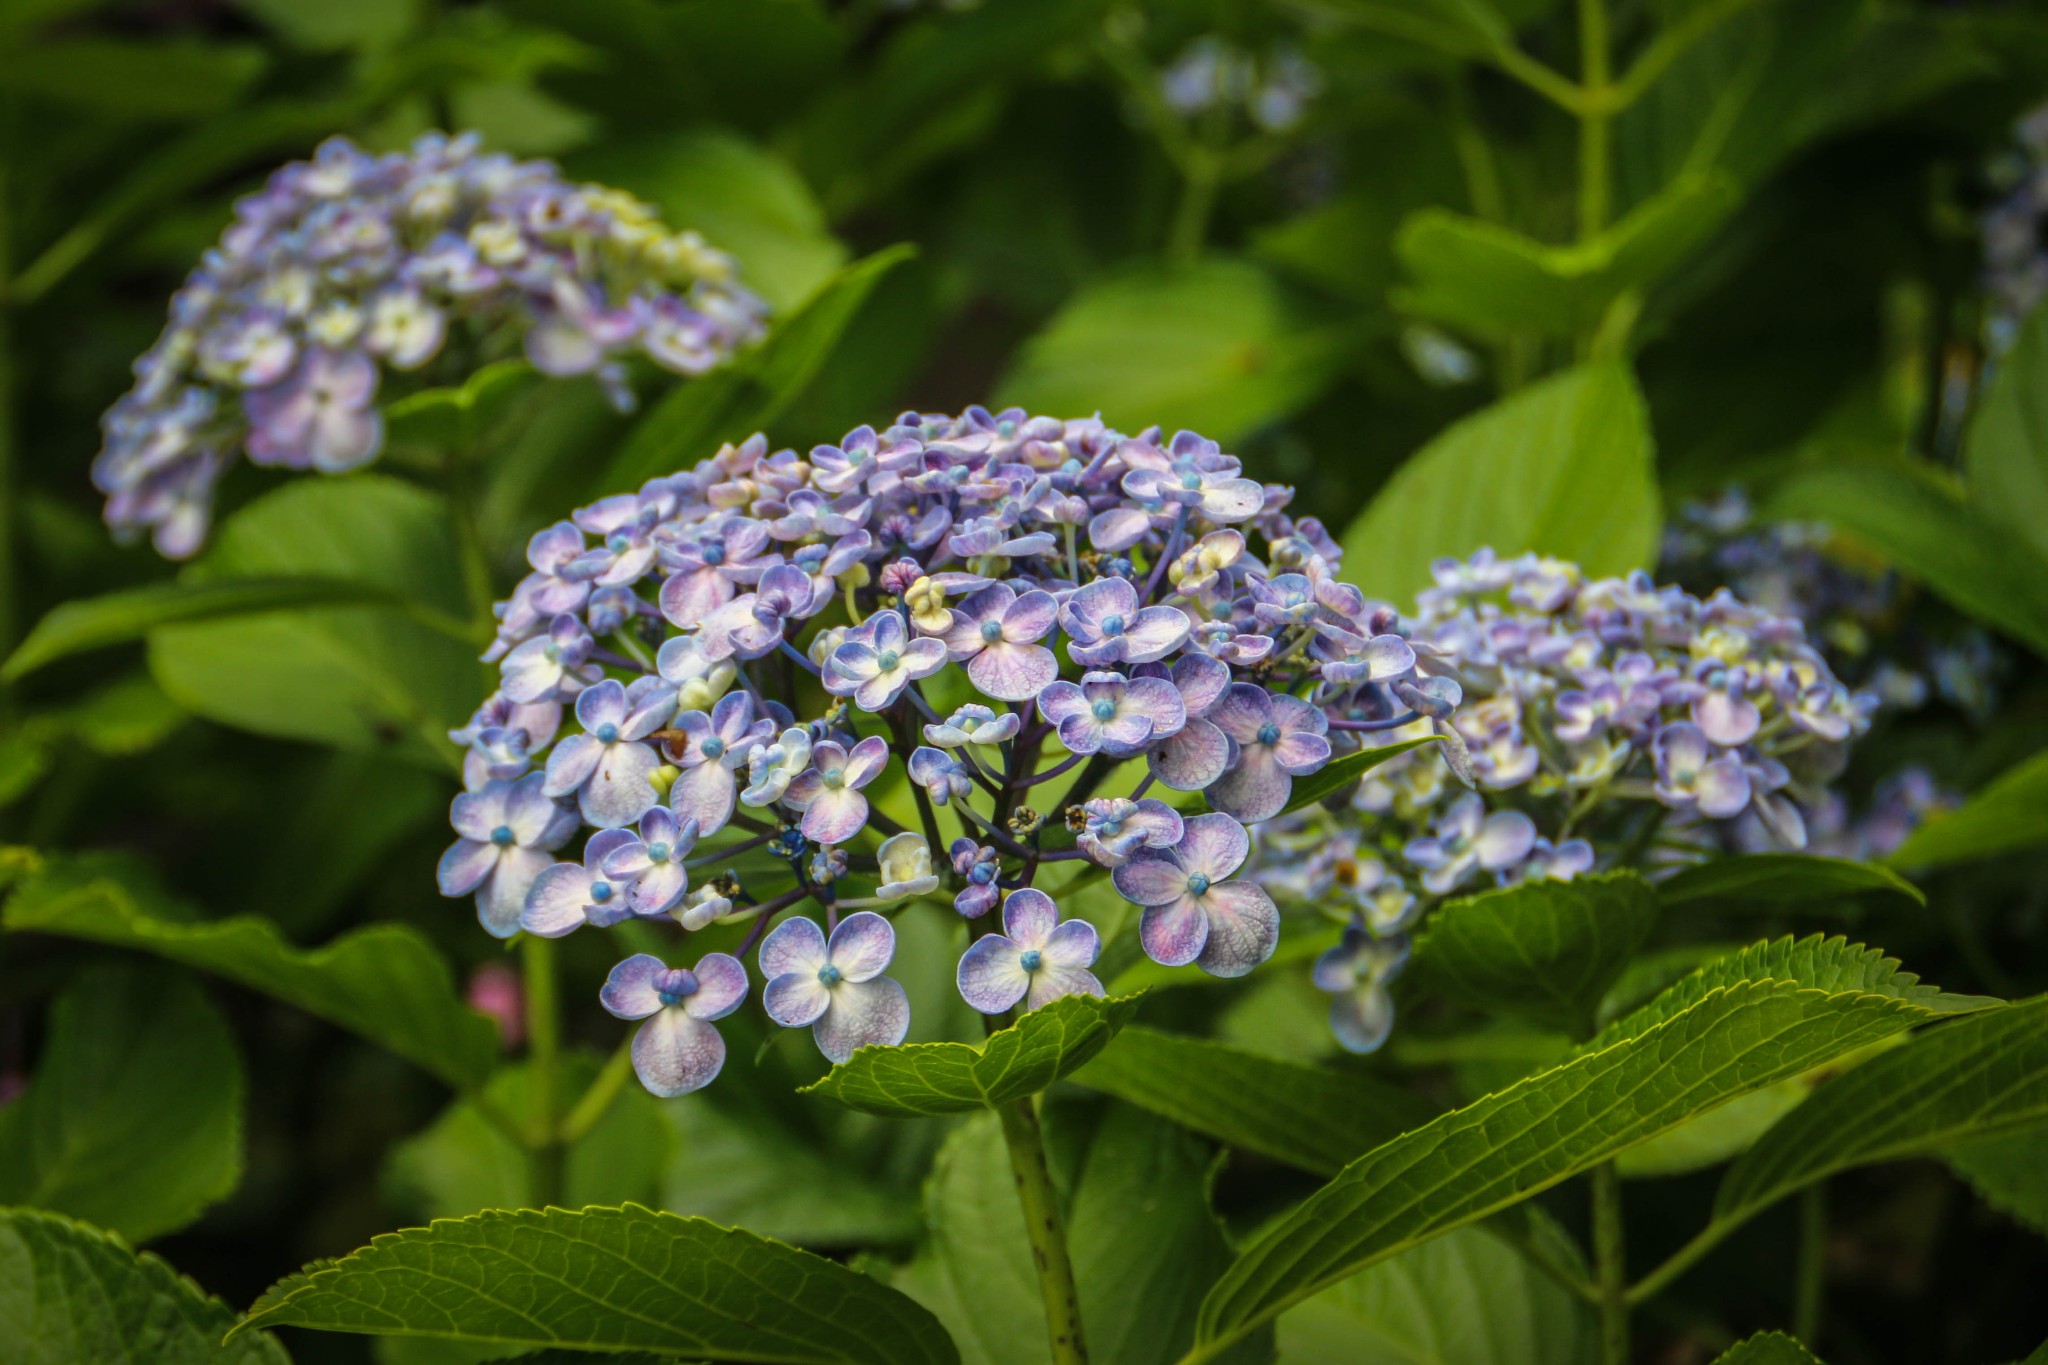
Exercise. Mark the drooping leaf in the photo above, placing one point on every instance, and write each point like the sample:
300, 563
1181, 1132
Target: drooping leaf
1547, 951
1767, 1348
1467, 1298
1976, 1078
133, 1120
1684, 1054
954, 1078
2008, 1173
746, 396
603, 1279
1217, 348
1778, 878
71, 1293
974, 1270
1563, 467
385, 982
2010, 813
356, 677
2005, 454
1307, 1116
97, 622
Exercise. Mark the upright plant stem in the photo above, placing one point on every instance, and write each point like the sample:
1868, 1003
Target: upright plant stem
1042, 1227
544, 1057
1610, 1265
1811, 1285
1596, 126
8, 499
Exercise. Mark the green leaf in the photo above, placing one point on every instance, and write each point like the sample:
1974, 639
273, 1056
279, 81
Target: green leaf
1767, 1348
1494, 281
354, 677
1517, 476
1217, 348
1459, 28
71, 1293
2005, 454
2010, 812
746, 201
384, 982
97, 622
2008, 1173
974, 1270
134, 1118
323, 27
151, 80
1913, 515
1312, 1117
953, 1078
1341, 773
1546, 951
1684, 1054
1468, 1298
458, 420
746, 396
609, 1280
1975, 1078
1780, 878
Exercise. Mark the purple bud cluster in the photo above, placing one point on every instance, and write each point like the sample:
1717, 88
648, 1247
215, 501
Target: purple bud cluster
351, 266
1604, 722
807, 665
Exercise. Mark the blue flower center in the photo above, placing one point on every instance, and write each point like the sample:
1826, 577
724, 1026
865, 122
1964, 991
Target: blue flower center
678, 992
1112, 625
1191, 480
1111, 827
991, 631
600, 892
553, 652
606, 732
658, 852
714, 555
618, 542
712, 748
1104, 710
834, 777
502, 836
982, 874
1269, 733
888, 659
828, 975
1029, 959
1198, 882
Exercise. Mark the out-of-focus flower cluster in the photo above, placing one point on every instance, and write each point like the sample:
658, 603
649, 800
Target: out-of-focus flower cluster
351, 265
1605, 722
1273, 89
2015, 263
818, 662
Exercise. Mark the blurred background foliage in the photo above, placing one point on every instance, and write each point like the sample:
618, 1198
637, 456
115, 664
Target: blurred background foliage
1322, 231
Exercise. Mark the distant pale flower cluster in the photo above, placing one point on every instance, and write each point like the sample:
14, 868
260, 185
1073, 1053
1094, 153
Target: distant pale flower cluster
1274, 90
1605, 722
350, 267
819, 663
2015, 263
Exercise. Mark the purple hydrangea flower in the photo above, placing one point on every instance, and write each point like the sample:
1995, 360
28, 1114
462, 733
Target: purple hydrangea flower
1036, 959
1198, 753
1466, 840
875, 671
835, 986
1115, 828
707, 572
1105, 625
554, 666
1689, 774
320, 417
979, 866
828, 791
676, 1051
973, 724
1276, 739
606, 767
507, 831
1193, 912
652, 865
752, 624
1357, 972
941, 775
567, 896
1110, 714
995, 632
715, 745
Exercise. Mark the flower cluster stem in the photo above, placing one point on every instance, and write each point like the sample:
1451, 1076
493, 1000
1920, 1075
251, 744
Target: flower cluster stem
1610, 1265
1047, 1235
1811, 1286
544, 1059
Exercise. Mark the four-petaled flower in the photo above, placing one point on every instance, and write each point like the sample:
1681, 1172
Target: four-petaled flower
1356, 972
828, 792
751, 625
772, 767
1110, 714
607, 767
1105, 626
567, 896
995, 632
676, 1050
875, 671
714, 745
1277, 739
904, 868
1193, 913
1467, 838
1689, 774
508, 829
551, 666
835, 986
1036, 959
972, 724
651, 865
941, 775
1114, 828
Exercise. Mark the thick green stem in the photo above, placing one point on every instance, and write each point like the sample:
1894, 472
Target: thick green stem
1811, 1286
1043, 1228
1596, 126
597, 1101
544, 1061
1610, 1265
1190, 229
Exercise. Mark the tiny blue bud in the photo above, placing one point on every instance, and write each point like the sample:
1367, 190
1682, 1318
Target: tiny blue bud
606, 733
1104, 710
658, 852
1198, 883
991, 631
600, 892
502, 836
888, 659
1269, 733
1112, 625
1029, 959
712, 748
828, 975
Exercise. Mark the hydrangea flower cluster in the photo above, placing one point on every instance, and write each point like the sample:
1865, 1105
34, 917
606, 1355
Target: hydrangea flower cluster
352, 265
815, 663
2015, 266
1604, 722
1274, 90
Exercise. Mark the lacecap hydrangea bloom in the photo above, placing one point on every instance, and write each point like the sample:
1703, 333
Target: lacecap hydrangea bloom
917, 668
350, 268
1604, 722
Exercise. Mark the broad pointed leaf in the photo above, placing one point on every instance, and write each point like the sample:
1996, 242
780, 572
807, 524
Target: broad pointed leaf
602, 1279
2008, 1173
2010, 813
2005, 455
1776, 878
954, 1078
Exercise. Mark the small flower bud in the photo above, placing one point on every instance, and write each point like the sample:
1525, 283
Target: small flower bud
1025, 822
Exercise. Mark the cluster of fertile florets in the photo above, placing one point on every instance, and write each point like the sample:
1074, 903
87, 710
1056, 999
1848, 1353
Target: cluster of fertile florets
351, 265
1604, 722
956, 611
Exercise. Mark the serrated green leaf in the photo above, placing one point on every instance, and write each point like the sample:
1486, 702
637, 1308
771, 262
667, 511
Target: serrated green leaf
603, 1279
1683, 1055
71, 1293
97, 622
954, 1078
134, 1118
1547, 951
1767, 1348
2011, 812
385, 982
1515, 476
2008, 1173
1468, 1298
1974, 1078
1307, 1116
1776, 878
